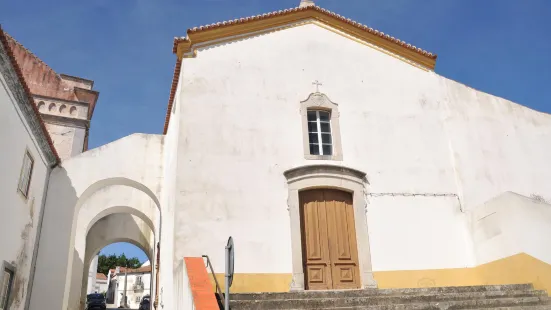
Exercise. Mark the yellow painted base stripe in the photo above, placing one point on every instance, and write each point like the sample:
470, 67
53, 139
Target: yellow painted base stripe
517, 269
256, 282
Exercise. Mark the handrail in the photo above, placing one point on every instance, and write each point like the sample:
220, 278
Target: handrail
209, 264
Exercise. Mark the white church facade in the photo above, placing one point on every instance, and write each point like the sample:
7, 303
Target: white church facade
333, 154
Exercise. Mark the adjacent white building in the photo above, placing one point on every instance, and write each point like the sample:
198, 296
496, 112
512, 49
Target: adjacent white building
138, 285
26, 159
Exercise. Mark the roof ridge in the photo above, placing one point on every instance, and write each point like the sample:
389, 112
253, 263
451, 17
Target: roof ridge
305, 8
9, 37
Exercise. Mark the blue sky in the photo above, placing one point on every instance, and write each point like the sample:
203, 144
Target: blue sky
128, 249
498, 46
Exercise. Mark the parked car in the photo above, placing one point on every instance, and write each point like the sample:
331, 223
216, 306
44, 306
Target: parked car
145, 303
95, 301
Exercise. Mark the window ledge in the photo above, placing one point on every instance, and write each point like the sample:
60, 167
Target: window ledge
323, 157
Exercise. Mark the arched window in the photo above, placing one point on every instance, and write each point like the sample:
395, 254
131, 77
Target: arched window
321, 128
41, 106
73, 111
62, 108
51, 107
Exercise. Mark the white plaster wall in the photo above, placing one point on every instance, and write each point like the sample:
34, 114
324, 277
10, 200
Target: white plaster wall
510, 224
183, 297
410, 130
498, 145
134, 161
173, 143
92, 273
421, 230
101, 286
20, 216
130, 293
66, 139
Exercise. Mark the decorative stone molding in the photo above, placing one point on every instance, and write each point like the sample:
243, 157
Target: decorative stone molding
319, 101
336, 177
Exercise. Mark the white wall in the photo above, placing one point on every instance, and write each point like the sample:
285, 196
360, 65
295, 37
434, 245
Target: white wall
410, 130
183, 297
68, 139
510, 224
134, 162
20, 215
92, 272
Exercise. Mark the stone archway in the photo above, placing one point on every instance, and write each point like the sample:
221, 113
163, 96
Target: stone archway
116, 227
119, 201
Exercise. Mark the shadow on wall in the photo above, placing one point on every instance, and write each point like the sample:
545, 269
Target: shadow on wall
48, 282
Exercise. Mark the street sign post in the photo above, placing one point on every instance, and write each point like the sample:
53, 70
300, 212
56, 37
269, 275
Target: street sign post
230, 259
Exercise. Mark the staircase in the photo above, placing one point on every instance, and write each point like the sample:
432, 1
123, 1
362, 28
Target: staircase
503, 297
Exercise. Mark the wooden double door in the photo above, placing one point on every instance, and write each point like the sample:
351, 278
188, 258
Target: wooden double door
329, 249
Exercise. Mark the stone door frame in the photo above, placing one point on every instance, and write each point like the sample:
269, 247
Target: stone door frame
335, 177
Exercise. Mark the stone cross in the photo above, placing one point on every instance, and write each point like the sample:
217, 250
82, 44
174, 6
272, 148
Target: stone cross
318, 84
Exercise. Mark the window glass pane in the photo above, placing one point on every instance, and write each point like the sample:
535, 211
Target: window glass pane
326, 138
312, 127
327, 149
313, 138
314, 149
312, 115
25, 177
324, 116
325, 127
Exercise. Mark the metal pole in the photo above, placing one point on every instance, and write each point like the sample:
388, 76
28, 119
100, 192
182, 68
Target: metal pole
125, 281
227, 281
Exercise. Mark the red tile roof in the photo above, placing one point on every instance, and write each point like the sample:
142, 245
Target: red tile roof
5, 40
101, 276
42, 80
306, 8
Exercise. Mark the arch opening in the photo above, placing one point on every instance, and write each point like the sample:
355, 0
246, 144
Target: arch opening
111, 211
128, 279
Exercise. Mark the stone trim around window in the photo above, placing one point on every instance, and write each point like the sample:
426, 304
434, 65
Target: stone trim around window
5, 265
319, 101
335, 177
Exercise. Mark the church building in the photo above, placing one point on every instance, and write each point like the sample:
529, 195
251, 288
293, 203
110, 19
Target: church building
334, 155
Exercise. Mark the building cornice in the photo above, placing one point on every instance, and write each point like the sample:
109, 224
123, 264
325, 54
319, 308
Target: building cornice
81, 103
63, 120
16, 83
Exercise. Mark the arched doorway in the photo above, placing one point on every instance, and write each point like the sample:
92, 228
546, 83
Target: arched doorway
113, 228
113, 212
350, 186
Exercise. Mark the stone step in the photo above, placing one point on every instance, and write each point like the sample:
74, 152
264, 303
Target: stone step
380, 292
423, 307
419, 302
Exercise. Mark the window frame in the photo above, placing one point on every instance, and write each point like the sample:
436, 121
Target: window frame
11, 270
25, 193
320, 102
319, 132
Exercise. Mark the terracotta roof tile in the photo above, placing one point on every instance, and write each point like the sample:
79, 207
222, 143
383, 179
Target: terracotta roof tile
5, 40
101, 276
297, 9
42, 80
144, 269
